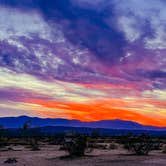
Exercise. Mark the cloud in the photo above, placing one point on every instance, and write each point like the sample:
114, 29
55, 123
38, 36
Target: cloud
145, 18
81, 101
15, 23
105, 38
156, 94
57, 90
16, 94
95, 4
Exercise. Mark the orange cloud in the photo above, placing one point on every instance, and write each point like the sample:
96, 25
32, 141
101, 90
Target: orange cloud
98, 110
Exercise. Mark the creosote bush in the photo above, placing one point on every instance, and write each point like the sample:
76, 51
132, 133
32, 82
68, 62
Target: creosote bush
140, 145
11, 161
76, 145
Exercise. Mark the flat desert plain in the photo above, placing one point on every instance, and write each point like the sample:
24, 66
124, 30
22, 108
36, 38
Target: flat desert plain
50, 155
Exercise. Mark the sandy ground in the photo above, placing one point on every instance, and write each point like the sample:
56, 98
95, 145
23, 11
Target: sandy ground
49, 155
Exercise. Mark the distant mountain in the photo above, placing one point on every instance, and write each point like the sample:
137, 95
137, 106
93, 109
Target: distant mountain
61, 130
17, 122
103, 132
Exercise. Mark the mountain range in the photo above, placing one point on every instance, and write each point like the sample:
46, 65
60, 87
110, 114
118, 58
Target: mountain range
17, 122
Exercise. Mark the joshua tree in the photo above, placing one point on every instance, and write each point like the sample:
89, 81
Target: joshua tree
25, 131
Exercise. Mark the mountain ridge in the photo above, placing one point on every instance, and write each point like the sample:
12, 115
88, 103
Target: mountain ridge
17, 122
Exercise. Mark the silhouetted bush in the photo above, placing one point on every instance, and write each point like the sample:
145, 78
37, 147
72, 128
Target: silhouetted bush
11, 161
76, 145
156, 146
140, 145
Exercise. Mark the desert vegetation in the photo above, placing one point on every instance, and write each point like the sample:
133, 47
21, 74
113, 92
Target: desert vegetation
75, 145
140, 145
16, 148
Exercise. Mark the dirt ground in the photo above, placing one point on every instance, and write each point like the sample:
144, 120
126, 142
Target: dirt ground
49, 155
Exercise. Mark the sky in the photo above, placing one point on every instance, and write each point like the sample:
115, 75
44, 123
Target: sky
82, 59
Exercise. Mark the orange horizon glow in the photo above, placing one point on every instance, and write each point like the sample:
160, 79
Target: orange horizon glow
85, 102
99, 110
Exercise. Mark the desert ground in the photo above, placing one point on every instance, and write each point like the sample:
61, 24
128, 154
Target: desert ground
51, 155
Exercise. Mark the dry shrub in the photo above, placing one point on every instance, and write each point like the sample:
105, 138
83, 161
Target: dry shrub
11, 161
140, 145
76, 146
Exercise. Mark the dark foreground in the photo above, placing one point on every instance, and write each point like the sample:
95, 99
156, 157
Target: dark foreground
33, 147
49, 155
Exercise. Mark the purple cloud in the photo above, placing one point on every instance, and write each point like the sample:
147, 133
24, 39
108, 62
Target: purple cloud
82, 41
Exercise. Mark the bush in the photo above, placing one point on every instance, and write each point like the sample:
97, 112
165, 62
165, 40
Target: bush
156, 146
76, 146
11, 161
140, 145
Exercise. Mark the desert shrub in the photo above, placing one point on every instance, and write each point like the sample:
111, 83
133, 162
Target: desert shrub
11, 161
156, 146
140, 145
10, 149
76, 145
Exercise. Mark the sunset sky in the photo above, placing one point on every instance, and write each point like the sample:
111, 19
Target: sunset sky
84, 59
